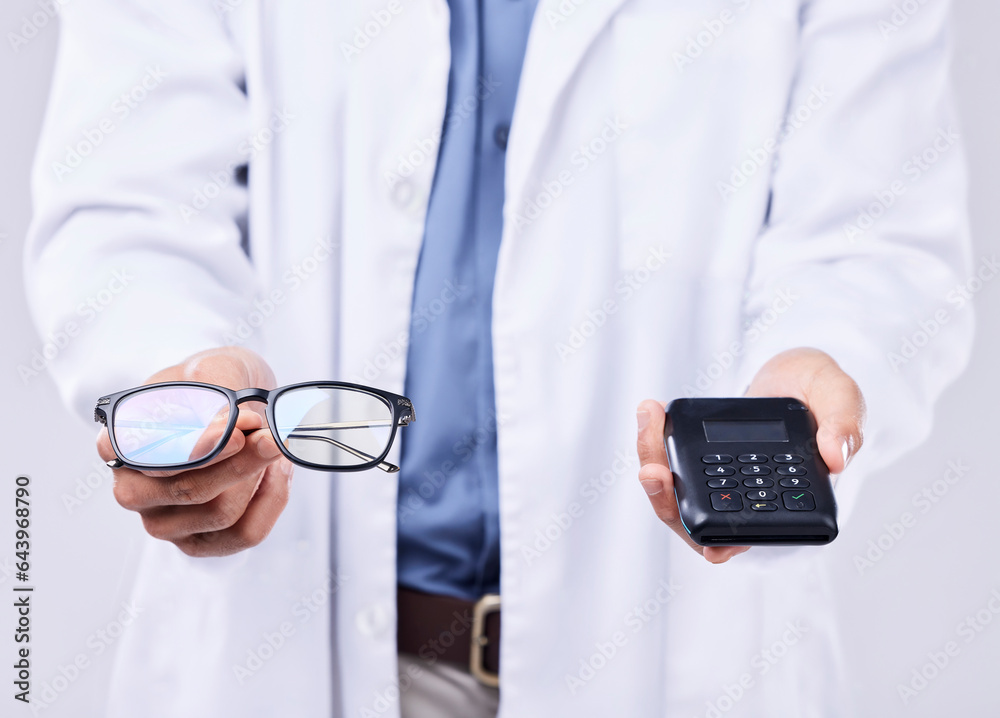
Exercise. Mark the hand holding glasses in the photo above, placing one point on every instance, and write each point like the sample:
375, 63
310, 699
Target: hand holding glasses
329, 426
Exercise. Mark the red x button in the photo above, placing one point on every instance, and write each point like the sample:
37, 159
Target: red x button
726, 502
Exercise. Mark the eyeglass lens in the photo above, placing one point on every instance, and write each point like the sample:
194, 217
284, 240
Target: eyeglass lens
170, 425
333, 426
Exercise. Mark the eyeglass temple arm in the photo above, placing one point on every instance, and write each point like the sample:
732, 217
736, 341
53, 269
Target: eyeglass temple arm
365, 424
384, 465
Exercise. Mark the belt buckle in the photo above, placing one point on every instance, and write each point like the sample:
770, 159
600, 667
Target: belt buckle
490, 603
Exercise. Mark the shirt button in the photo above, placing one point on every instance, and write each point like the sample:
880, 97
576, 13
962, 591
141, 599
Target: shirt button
372, 621
500, 135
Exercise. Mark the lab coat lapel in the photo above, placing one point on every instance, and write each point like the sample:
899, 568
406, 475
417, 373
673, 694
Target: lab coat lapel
561, 33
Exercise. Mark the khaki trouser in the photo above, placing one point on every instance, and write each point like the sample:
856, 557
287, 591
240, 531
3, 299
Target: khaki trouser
442, 690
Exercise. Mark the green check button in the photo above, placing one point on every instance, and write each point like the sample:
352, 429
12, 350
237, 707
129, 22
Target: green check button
801, 501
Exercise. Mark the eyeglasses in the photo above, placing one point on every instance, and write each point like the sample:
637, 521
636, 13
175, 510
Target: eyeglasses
330, 426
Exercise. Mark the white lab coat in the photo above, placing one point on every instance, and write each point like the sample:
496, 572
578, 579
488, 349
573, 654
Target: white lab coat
665, 236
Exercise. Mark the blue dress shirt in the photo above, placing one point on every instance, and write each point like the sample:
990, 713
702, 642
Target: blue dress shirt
448, 510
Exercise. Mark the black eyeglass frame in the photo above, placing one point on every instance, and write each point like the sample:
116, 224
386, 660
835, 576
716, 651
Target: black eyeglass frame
401, 407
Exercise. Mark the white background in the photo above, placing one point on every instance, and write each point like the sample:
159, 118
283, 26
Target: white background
908, 603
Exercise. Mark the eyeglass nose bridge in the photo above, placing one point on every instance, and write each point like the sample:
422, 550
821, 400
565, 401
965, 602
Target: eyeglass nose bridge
245, 395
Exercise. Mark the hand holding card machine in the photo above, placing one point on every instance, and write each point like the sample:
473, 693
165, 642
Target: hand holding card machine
747, 472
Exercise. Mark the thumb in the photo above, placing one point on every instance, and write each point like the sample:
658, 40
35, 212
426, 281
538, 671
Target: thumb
839, 408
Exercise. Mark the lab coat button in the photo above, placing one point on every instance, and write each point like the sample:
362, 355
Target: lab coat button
402, 193
372, 621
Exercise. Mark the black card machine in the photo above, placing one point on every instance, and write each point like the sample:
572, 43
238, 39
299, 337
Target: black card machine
747, 472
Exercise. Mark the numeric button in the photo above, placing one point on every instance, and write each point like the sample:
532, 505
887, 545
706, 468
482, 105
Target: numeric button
794, 483
717, 459
791, 470
754, 470
758, 483
787, 459
762, 495
720, 471
723, 483
752, 459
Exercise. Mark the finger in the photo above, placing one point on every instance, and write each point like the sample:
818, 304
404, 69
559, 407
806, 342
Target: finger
839, 408
664, 503
658, 481
231, 367
104, 449
654, 467
246, 421
721, 554
654, 470
210, 437
650, 416
171, 523
256, 522
139, 491
237, 440
813, 377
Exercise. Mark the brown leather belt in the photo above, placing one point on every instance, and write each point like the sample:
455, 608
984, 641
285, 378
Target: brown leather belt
444, 628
